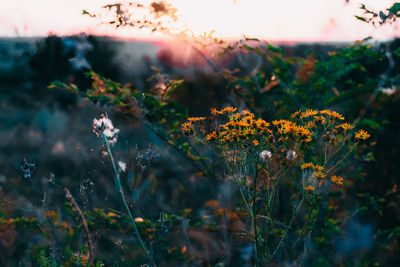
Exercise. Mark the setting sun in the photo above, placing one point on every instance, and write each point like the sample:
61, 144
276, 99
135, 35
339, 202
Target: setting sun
307, 20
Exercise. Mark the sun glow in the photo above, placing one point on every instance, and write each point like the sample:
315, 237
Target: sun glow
280, 20
294, 20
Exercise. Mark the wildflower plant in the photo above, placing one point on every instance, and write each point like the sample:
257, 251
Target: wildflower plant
298, 155
104, 128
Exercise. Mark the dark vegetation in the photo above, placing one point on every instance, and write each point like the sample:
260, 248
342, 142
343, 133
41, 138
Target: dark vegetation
184, 206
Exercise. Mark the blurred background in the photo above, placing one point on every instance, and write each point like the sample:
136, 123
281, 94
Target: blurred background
321, 63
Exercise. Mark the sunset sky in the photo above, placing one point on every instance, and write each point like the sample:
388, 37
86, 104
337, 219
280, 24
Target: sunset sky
286, 20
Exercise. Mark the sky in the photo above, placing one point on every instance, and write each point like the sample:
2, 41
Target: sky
283, 20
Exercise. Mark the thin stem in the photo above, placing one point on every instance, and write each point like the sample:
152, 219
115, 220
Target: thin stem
341, 160
121, 192
255, 172
295, 211
239, 186
272, 206
304, 229
85, 227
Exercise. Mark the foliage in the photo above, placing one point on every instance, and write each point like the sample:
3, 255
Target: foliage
275, 191
262, 160
390, 15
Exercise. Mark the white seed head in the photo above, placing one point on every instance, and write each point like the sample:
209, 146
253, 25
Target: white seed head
122, 166
104, 127
291, 154
265, 154
388, 90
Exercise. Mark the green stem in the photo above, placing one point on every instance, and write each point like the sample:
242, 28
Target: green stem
304, 229
255, 232
295, 211
239, 186
121, 192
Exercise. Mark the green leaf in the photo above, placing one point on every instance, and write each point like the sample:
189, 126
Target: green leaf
395, 8
360, 18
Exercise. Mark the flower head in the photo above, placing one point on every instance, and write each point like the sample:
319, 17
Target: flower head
337, 180
228, 110
345, 126
309, 188
265, 154
121, 166
308, 113
187, 127
104, 127
307, 165
361, 134
291, 154
194, 119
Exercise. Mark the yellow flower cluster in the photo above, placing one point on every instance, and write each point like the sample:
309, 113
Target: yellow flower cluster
318, 172
308, 113
310, 165
241, 128
290, 128
313, 113
332, 114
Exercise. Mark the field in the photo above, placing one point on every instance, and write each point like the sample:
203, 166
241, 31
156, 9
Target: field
199, 152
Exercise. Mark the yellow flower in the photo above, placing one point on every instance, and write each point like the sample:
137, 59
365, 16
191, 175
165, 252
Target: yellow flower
337, 180
333, 114
248, 131
261, 123
296, 114
337, 115
361, 134
227, 110
255, 142
276, 123
187, 127
319, 174
345, 126
287, 127
243, 123
215, 112
309, 188
302, 130
311, 125
308, 113
226, 139
307, 165
248, 113
194, 119
318, 168
212, 135
235, 116
320, 119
